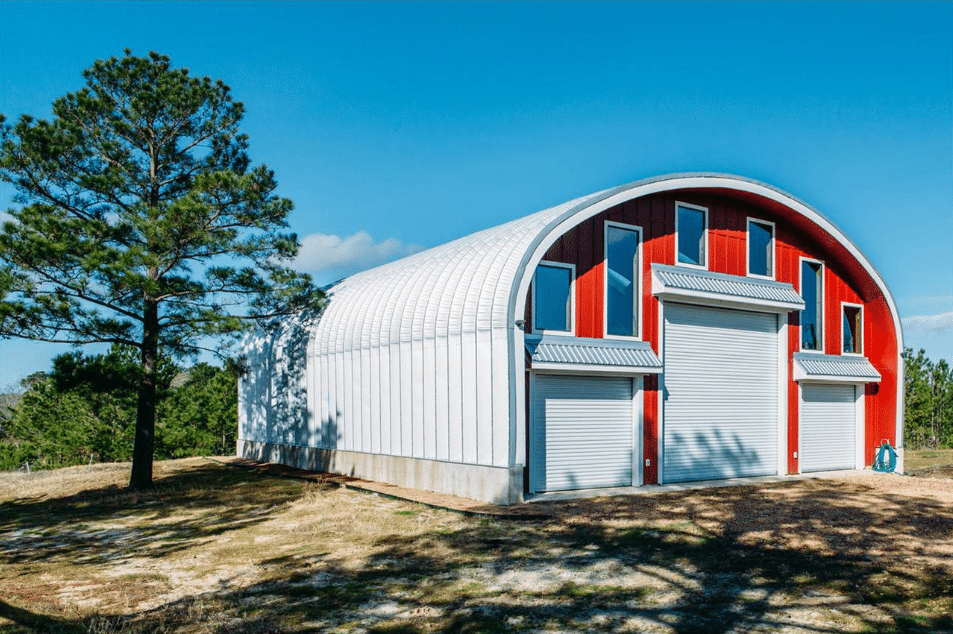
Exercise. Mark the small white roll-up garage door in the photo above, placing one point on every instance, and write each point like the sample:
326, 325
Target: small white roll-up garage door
582, 432
721, 393
828, 427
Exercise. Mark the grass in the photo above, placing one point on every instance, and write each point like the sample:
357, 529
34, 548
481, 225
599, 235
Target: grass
216, 549
928, 459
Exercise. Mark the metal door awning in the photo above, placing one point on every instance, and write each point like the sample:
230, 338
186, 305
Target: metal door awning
696, 286
591, 356
829, 368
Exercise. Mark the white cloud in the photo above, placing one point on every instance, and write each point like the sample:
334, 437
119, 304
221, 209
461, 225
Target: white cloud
929, 323
330, 257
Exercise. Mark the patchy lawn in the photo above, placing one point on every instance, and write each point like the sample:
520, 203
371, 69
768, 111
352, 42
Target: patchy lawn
929, 462
217, 548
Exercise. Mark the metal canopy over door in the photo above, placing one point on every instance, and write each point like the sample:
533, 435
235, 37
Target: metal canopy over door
828, 427
582, 432
721, 393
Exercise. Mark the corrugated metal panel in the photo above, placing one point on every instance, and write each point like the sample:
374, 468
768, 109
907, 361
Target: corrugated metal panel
675, 279
582, 433
828, 427
850, 369
443, 293
254, 388
634, 355
721, 393
274, 401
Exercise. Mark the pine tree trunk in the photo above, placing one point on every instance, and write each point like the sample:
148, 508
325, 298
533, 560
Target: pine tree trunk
144, 448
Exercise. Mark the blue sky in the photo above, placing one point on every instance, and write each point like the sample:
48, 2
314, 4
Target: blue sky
400, 126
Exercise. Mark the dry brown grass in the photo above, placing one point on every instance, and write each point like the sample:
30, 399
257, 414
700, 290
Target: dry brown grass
216, 548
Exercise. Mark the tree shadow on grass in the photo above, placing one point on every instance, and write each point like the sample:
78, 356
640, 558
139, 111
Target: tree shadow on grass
716, 561
26, 621
182, 509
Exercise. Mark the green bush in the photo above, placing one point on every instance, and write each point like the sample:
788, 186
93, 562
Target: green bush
85, 408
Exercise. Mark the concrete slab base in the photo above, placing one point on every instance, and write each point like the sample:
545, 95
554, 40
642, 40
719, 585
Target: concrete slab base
651, 489
496, 485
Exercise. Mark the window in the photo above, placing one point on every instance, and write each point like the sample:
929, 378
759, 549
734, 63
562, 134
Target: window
552, 297
812, 317
853, 335
622, 272
760, 248
691, 224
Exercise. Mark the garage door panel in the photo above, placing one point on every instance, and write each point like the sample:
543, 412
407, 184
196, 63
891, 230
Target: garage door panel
828, 427
714, 461
582, 432
721, 393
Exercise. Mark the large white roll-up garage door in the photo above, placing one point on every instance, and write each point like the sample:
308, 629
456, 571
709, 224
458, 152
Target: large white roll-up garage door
721, 393
828, 427
582, 431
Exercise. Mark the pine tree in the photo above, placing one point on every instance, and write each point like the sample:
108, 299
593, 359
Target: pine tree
142, 222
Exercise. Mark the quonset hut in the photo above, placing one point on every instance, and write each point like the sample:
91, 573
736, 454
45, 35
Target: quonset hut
681, 328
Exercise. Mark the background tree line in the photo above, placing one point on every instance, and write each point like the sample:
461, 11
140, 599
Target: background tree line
85, 409
928, 386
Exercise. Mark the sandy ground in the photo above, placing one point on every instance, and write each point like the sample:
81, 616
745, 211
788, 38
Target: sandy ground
224, 548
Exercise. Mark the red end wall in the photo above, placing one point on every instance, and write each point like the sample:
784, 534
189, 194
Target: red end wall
845, 280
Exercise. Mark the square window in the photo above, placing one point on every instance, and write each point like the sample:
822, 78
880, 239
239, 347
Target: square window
691, 225
552, 297
760, 248
853, 329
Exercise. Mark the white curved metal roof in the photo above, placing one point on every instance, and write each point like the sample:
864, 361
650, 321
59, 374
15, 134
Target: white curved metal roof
479, 281
461, 286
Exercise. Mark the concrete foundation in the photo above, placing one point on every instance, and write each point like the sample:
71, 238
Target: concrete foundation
497, 485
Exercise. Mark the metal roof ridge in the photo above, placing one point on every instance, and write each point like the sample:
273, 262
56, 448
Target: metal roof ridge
714, 275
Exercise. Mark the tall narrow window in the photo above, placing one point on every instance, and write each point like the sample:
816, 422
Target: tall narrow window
853, 329
622, 280
760, 248
812, 317
691, 224
552, 297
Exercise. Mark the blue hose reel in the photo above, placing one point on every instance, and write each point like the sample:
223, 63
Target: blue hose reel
886, 460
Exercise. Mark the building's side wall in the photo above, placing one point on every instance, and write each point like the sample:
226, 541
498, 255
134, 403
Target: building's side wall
373, 412
434, 399
272, 391
844, 281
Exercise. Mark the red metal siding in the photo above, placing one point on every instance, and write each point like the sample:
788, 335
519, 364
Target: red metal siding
845, 280
882, 350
